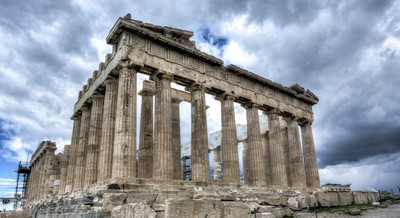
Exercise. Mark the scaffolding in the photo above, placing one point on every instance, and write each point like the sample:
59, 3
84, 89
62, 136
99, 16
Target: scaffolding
20, 188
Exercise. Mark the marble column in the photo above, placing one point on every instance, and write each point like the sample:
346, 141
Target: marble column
176, 138
92, 153
72, 154
230, 154
245, 159
199, 138
64, 168
108, 129
124, 154
145, 161
217, 163
298, 177
43, 173
51, 162
163, 162
278, 167
254, 146
310, 156
267, 158
285, 143
80, 151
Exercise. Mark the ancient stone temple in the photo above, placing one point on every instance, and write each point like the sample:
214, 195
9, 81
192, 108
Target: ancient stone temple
104, 167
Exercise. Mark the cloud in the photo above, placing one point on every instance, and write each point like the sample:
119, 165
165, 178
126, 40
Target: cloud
7, 183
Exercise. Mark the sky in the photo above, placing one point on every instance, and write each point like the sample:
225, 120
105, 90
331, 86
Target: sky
346, 52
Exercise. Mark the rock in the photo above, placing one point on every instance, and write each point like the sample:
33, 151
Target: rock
266, 215
275, 200
133, 210
192, 208
301, 200
235, 209
265, 209
354, 211
293, 204
110, 200
281, 212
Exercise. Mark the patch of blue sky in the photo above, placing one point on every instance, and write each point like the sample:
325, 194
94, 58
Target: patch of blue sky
209, 37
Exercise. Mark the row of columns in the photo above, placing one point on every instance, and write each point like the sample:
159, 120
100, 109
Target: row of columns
286, 162
43, 172
103, 141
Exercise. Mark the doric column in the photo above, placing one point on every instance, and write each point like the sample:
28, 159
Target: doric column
50, 163
310, 156
80, 151
72, 154
92, 153
298, 177
254, 146
199, 138
285, 143
278, 167
267, 158
43, 175
64, 169
108, 129
145, 161
163, 150
230, 156
245, 158
176, 138
124, 154
217, 163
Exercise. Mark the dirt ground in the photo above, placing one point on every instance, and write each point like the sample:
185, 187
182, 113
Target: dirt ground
392, 211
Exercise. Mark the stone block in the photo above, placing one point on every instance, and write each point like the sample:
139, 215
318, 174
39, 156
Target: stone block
275, 200
311, 200
360, 197
235, 209
327, 199
265, 215
301, 200
281, 212
265, 209
293, 204
133, 210
110, 200
177, 208
345, 198
139, 197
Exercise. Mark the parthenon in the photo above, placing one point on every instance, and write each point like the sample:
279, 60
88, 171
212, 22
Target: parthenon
104, 138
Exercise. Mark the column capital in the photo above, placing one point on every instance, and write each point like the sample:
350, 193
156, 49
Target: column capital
129, 64
97, 96
195, 87
273, 111
305, 121
176, 100
85, 108
250, 105
225, 96
161, 75
110, 81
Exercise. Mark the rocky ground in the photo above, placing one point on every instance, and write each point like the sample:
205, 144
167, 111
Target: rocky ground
391, 211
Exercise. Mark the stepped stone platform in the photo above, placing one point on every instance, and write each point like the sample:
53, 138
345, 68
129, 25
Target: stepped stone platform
166, 198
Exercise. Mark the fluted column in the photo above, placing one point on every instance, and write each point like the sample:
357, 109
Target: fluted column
199, 138
256, 161
50, 170
43, 175
297, 173
176, 138
94, 138
80, 151
72, 154
267, 158
310, 156
217, 163
230, 155
64, 168
124, 154
163, 150
245, 159
108, 129
145, 161
278, 168
285, 143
